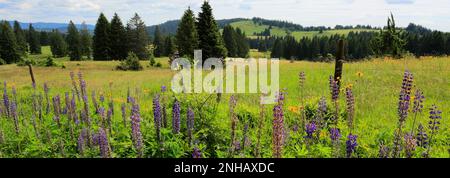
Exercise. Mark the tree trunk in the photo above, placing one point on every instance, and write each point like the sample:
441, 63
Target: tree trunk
339, 62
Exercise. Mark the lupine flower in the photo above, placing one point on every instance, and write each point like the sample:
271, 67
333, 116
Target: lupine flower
281, 96
111, 105
136, 128
278, 131
67, 106
310, 129
82, 140
128, 95
422, 137
433, 125
405, 96
74, 84
321, 112
351, 144
301, 79
101, 114
46, 90
15, 116
383, 152
176, 117
237, 145
102, 98
190, 124
73, 107
57, 109
157, 115
418, 101
350, 107
163, 88
124, 114
196, 153
94, 101
102, 141
109, 119
410, 145
6, 100
334, 88
335, 134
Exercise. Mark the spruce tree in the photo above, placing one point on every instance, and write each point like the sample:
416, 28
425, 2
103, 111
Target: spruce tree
187, 37
158, 42
74, 42
277, 50
86, 41
169, 47
43, 38
243, 47
230, 41
138, 37
58, 45
34, 40
101, 42
8, 47
118, 37
210, 41
22, 45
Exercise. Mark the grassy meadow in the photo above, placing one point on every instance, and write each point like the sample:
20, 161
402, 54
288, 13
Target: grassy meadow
249, 27
376, 85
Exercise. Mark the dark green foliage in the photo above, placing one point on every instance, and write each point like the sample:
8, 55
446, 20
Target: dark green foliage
187, 37
169, 46
422, 41
389, 41
8, 47
74, 42
86, 41
44, 38
242, 44
210, 41
138, 37
22, 45
49, 62
277, 49
118, 37
158, 43
130, 63
158, 64
34, 40
58, 45
101, 42
235, 42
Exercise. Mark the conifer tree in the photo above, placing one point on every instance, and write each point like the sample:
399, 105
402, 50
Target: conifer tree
210, 41
169, 47
74, 42
86, 41
101, 42
22, 45
187, 37
58, 45
138, 37
119, 47
8, 47
158, 43
229, 40
34, 40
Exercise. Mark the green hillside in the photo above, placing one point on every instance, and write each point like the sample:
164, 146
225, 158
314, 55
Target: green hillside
250, 28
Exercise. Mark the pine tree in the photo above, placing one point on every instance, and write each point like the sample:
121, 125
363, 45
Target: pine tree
210, 41
118, 36
34, 40
389, 41
243, 47
229, 40
169, 47
187, 37
138, 37
158, 43
8, 47
101, 42
86, 41
58, 45
22, 45
74, 42
277, 50
43, 38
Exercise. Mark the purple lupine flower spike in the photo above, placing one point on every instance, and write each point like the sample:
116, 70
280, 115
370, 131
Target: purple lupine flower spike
157, 115
335, 134
351, 144
176, 117
136, 129
350, 107
190, 124
102, 141
6, 101
15, 116
124, 114
278, 131
310, 129
422, 137
57, 110
196, 153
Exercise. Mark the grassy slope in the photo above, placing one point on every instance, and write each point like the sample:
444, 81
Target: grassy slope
376, 92
250, 28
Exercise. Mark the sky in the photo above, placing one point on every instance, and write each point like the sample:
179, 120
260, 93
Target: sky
434, 14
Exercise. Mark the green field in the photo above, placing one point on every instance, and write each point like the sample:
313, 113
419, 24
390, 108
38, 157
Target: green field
249, 27
376, 86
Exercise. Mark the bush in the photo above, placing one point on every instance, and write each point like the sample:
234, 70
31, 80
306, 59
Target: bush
158, 64
130, 63
49, 62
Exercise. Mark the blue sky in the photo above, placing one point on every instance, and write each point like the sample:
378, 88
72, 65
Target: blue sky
434, 14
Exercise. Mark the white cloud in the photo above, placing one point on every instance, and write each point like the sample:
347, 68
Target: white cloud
434, 14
